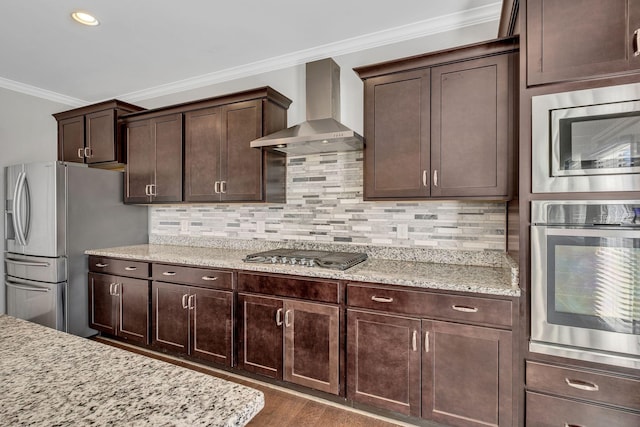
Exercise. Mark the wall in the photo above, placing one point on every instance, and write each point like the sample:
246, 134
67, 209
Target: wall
28, 133
325, 205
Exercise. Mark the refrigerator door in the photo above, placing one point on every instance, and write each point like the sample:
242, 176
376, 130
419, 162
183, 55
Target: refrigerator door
40, 269
35, 209
36, 301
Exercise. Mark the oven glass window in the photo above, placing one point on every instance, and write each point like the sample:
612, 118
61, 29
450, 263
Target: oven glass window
596, 145
594, 283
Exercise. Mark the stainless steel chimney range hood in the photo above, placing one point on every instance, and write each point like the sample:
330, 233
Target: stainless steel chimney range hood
321, 132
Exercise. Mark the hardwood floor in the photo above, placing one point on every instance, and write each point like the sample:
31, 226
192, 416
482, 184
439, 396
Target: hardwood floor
283, 408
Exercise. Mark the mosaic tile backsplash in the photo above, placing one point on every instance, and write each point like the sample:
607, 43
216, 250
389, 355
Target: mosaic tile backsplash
324, 205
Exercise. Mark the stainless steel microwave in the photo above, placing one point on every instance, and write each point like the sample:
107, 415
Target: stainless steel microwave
586, 140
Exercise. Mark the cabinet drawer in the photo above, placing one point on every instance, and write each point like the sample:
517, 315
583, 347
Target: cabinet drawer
548, 411
429, 304
286, 286
120, 267
569, 382
204, 277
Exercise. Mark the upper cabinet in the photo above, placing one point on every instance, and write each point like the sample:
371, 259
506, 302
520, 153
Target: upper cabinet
214, 135
90, 134
572, 40
441, 125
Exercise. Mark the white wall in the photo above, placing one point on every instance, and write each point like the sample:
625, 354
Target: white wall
28, 133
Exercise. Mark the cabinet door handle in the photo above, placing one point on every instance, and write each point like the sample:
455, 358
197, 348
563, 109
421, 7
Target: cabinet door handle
131, 268
381, 299
425, 177
80, 151
191, 302
414, 341
582, 385
116, 292
153, 190
146, 190
101, 265
223, 186
88, 153
279, 317
286, 318
209, 278
184, 301
216, 187
435, 177
168, 273
636, 42
111, 288
465, 308
426, 342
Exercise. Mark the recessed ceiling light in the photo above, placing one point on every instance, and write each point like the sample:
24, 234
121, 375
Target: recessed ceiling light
85, 18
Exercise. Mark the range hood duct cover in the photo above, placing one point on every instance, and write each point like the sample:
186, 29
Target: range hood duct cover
321, 132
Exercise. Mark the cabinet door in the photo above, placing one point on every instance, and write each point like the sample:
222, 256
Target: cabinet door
470, 128
241, 165
140, 161
167, 136
101, 303
569, 40
383, 361
71, 140
100, 137
133, 309
260, 335
202, 155
396, 128
467, 364
212, 325
170, 316
312, 348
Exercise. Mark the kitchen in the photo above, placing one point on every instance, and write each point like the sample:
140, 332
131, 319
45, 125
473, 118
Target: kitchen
485, 223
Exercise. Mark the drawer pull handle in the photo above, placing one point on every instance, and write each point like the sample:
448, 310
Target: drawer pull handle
168, 273
279, 317
582, 385
414, 341
210, 278
465, 308
131, 268
381, 299
101, 265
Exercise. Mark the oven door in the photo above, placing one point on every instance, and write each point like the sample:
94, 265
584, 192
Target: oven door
585, 293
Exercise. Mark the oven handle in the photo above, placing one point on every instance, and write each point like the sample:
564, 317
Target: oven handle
590, 232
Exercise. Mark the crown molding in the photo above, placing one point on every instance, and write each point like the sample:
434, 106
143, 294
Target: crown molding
41, 93
424, 28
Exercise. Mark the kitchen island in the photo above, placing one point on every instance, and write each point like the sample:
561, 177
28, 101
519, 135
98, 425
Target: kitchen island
49, 378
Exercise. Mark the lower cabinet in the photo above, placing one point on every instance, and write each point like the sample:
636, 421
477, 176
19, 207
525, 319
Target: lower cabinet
194, 321
119, 306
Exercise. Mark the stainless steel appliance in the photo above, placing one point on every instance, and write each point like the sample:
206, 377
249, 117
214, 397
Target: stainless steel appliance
53, 212
307, 258
587, 140
585, 280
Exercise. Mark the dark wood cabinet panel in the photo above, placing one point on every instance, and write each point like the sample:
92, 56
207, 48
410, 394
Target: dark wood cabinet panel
100, 134
580, 39
212, 325
119, 267
101, 307
383, 361
170, 317
203, 135
549, 411
71, 139
470, 128
287, 286
396, 123
469, 364
140, 162
202, 277
260, 336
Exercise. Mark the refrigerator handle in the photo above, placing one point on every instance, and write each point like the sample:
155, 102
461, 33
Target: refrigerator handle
17, 209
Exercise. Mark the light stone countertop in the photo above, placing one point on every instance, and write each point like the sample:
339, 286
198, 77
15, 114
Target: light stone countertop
501, 281
48, 377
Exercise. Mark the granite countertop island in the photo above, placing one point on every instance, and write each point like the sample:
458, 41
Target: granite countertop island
50, 378
498, 279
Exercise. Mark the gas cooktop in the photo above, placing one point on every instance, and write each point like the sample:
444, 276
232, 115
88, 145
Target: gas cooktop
307, 258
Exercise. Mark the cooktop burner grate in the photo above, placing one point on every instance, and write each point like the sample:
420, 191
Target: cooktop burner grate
308, 258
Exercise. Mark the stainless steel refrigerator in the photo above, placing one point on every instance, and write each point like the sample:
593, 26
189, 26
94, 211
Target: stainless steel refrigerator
55, 211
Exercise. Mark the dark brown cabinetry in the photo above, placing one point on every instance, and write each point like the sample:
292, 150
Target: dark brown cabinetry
91, 135
119, 305
294, 340
193, 320
441, 126
154, 167
402, 361
581, 39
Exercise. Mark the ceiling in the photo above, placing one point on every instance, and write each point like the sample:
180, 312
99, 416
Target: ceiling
143, 45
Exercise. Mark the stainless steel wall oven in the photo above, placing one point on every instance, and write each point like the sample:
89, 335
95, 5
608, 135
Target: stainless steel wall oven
585, 280
587, 140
